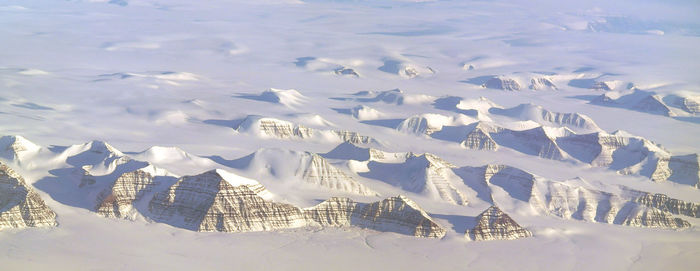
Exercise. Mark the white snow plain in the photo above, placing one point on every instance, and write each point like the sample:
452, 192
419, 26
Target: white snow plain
138, 74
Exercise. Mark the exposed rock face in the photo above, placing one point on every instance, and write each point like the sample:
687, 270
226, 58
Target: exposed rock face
409, 72
690, 105
334, 212
626, 154
429, 123
642, 216
531, 112
401, 215
346, 71
207, 202
116, 201
322, 173
352, 137
502, 83
283, 129
20, 206
16, 144
275, 128
542, 83
600, 85
534, 141
653, 104
596, 148
17, 149
517, 183
647, 102
393, 96
576, 202
86, 179
404, 68
395, 214
417, 125
571, 119
436, 175
493, 224
425, 174
479, 139
666, 204
302, 168
573, 202
631, 155
685, 169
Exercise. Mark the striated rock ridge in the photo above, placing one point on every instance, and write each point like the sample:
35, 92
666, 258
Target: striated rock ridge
685, 169
425, 174
271, 127
571, 200
543, 116
654, 105
619, 151
576, 202
631, 155
320, 172
418, 125
207, 202
518, 183
503, 83
479, 138
20, 205
647, 102
602, 85
690, 105
493, 224
642, 216
536, 141
667, 204
275, 128
396, 214
352, 137
303, 168
542, 83
116, 201
436, 173
429, 123
399, 214
16, 148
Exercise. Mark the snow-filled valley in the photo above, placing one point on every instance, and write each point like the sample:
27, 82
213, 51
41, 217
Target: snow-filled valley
349, 135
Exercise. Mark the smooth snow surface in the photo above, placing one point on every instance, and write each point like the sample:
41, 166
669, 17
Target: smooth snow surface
578, 119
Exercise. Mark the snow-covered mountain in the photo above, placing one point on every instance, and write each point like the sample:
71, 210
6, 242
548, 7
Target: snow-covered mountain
275, 128
300, 168
393, 96
284, 97
493, 224
328, 135
20, 205
671, 105
619, 151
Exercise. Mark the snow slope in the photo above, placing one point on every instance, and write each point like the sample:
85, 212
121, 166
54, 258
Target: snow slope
306, 119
